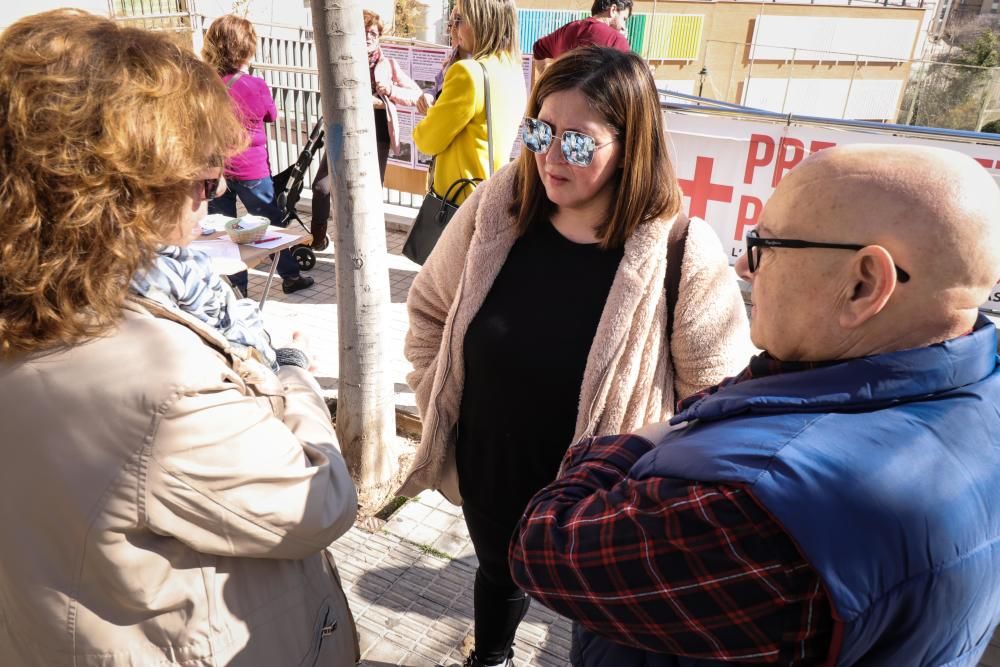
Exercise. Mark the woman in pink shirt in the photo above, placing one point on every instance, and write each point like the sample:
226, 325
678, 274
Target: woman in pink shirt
230, 44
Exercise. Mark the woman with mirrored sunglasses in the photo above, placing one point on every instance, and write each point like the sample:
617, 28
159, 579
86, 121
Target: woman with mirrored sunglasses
540, 318
454, 131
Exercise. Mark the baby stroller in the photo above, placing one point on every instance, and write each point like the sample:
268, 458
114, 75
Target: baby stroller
288, 188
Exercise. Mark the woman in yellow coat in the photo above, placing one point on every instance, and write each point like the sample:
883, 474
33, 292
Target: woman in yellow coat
454, 130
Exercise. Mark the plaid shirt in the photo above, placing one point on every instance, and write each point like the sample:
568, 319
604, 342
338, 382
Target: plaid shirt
669, 565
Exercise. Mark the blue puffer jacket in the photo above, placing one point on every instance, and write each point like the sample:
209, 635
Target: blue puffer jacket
886, 472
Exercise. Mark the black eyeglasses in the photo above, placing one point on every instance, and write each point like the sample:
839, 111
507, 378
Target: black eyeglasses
210, 188
755, 244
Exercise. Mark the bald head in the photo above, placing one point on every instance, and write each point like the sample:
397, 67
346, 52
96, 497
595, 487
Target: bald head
933, 213
936, 210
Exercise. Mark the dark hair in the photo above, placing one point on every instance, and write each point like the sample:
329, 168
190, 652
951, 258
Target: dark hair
620, 88
601, 6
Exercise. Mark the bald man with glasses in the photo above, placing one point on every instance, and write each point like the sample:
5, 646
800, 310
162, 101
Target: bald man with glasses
836, 503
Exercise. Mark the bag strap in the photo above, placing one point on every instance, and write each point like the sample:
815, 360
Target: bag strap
234, 79
489, 115
460, 184
676, 240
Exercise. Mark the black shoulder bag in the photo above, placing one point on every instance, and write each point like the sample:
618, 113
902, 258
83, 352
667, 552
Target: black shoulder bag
437, 211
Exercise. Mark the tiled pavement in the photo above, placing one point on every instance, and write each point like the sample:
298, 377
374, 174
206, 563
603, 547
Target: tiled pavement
410, 584
410, 588
314, 312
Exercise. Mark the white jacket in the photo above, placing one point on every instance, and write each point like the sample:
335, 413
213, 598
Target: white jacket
629, 378
168, 501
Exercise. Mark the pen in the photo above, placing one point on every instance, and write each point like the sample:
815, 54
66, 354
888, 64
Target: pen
270, 238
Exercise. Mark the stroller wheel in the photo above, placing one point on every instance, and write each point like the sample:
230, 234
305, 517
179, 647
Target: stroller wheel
305, 257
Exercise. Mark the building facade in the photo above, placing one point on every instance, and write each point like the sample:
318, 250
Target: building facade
834, 59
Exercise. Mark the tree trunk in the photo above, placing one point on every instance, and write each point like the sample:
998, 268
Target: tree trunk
366, 403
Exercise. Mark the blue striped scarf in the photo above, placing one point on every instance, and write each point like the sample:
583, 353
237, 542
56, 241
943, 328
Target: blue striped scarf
182, 279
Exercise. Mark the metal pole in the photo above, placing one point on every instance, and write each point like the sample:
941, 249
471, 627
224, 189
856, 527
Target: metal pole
788, 84
850, 86
987, 92
648, 37
746, 86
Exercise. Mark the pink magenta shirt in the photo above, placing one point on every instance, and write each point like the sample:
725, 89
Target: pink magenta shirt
254, 106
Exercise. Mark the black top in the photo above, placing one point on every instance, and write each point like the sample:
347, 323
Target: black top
525, 355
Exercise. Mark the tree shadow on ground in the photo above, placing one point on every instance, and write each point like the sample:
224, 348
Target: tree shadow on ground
427, 608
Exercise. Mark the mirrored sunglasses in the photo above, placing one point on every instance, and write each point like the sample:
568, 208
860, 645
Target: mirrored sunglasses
577, 148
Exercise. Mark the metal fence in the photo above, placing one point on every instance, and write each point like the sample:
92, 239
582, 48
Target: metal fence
174, 16
916, 92
935, 94
289, 66
286, 59
959, 97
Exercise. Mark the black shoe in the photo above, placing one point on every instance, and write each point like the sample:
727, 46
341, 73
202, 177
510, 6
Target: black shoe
474, 661
289, 285
320, 243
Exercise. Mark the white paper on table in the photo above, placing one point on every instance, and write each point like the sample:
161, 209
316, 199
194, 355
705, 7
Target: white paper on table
277, 238
215, 221
222, 248
225, 254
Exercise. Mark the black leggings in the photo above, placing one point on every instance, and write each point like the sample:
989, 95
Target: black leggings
499, 603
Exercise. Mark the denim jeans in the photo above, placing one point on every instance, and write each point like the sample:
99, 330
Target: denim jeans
258, 198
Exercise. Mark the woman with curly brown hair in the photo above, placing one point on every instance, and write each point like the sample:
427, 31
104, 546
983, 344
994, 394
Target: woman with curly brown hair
169, 496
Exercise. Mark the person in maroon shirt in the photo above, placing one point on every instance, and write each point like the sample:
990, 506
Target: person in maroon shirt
605, 27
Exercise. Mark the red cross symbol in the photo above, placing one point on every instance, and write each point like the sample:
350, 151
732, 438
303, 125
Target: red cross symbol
702, 190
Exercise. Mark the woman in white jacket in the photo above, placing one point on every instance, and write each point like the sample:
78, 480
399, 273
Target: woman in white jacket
169, 496
541, 315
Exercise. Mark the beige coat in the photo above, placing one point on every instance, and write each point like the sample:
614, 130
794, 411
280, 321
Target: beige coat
168, 501
629, 377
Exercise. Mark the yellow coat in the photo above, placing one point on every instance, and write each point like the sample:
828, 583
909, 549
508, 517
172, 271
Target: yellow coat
454, 130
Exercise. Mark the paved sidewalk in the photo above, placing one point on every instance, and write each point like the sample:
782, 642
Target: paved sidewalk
410, 588
410, 584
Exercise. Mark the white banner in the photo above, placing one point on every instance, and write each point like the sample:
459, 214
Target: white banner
728, 168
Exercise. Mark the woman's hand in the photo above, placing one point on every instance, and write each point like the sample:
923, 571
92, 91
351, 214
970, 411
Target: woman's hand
424, 102
377, 102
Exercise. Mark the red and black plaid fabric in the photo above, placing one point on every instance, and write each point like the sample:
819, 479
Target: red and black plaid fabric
667, 565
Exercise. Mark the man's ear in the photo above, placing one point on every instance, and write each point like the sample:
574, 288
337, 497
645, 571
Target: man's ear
872, 280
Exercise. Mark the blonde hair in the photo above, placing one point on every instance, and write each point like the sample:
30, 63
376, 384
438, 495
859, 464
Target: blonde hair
494, 27
619, 87
230, 42
105, 129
